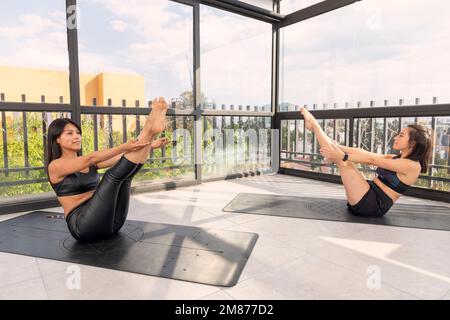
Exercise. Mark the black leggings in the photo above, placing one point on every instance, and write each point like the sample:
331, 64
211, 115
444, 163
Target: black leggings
105, 212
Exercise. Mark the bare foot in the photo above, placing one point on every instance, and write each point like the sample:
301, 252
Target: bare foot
310, 121
159, 143
157, 117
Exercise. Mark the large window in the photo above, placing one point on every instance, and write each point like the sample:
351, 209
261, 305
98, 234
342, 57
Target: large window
236, 144
235, 75
34, 63
371, 53
235, 66
34, 68
131, 53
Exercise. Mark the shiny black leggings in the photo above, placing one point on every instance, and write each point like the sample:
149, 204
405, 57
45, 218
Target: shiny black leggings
105, 212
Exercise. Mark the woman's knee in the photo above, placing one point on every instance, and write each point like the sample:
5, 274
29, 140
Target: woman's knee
122, 169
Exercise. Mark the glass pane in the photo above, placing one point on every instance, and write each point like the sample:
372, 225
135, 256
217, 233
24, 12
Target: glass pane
236, 66
130, 54
175, 162
372, 59
235, 145
34, 61
309, 159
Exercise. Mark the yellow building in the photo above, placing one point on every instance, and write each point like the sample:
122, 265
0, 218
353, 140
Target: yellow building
33, 83
112, 89
51, 86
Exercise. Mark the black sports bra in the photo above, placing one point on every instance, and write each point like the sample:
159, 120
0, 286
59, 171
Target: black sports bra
77, 183
390, 179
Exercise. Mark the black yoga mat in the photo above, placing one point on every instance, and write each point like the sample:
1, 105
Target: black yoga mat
209, 256
400, 215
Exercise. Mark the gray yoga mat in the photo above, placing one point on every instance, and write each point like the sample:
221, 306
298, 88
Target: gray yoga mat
400, 215
209, 256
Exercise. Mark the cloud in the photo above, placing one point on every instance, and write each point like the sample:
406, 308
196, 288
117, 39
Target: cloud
372, 50
30, 25
118, 25
236, 62
157, 43
35, 41
161, 49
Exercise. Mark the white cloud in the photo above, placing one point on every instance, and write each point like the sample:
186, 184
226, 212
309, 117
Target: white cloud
162, 38
118, 25
163, 51
372, 50
97, 63
236, 62
35, 41
30, 25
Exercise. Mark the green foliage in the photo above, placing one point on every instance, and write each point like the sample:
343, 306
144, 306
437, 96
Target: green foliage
35, 181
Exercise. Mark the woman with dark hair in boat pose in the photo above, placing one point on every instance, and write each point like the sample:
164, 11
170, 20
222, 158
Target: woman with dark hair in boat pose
395, 173
95, 209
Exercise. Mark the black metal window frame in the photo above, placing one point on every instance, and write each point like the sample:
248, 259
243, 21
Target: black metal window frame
278, 21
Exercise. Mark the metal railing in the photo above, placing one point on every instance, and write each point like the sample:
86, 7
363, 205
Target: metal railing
372, 129
101, 120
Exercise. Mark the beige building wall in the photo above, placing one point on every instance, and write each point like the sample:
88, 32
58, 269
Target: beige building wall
54, 85
114, 86
34, 83
88, 89
118, 87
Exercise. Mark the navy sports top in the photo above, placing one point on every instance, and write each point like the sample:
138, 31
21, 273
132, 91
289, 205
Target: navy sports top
77, 183
390, 179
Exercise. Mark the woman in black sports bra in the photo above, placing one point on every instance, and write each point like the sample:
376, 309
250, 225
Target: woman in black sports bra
395, 173
96, 209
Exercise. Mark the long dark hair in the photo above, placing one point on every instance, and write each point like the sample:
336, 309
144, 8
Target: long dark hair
420, 142
54, 131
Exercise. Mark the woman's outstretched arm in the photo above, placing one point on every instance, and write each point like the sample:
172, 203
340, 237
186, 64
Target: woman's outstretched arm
62, 167
159, 143
404, 166
351, 150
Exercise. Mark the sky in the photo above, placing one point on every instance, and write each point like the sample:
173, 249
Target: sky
371, 50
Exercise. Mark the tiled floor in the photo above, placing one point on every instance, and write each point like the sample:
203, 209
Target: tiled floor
293, 258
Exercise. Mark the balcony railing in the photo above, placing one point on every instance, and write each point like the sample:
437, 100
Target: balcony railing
372, 129
24, 129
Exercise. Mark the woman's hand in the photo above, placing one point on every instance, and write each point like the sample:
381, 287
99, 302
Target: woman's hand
332, 153
159, 143
133, 145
